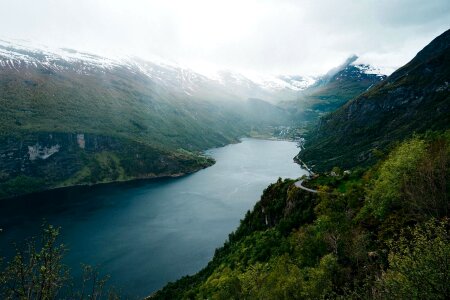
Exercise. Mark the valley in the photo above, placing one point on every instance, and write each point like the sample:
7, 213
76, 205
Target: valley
147, 233
236, 150
371, 222
114, 120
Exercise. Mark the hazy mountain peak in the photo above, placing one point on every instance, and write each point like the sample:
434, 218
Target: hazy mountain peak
369, 69
351, 59
19, 54
413, 99
23, 57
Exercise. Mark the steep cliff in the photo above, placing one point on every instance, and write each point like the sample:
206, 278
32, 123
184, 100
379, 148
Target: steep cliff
415, 98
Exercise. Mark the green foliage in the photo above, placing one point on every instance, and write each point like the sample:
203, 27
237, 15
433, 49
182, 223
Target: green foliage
74, 166
162, 125
413, 178
38, 272
427, 190
386, 193
115, 104
330, 93
419, 263
348, 242
22, 184
280, 278
414, 99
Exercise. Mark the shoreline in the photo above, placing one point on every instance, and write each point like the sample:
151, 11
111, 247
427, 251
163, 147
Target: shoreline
105, 183
143, 178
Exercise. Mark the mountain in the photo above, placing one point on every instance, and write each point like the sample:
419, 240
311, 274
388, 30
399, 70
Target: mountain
225, 83
265, 87
334, 89
415, 98
70, 117
377, 231
379, 234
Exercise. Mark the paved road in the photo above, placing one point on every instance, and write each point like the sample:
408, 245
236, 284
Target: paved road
299, 185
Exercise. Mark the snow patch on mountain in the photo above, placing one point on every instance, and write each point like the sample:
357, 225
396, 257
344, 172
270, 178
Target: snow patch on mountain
368, 69
19, 55
24, 54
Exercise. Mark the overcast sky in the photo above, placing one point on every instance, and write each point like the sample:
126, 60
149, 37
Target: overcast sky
272, 36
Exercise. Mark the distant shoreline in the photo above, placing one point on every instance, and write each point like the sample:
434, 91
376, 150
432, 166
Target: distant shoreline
105, 183
143, 178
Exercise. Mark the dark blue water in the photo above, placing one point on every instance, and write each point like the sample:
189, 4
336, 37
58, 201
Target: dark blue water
145, 234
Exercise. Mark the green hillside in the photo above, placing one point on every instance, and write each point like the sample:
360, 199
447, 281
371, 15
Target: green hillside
332, 90
379, 230
415, 98
114, 104
378, 233
69, 122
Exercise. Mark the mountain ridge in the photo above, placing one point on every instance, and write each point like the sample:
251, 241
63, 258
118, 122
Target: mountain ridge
266, 87
334, 89
376, 231
164, 115
414, 98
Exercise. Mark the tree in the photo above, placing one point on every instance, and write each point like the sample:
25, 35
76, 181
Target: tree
427, 189
36, 273
386, 194
39, 273
419, 264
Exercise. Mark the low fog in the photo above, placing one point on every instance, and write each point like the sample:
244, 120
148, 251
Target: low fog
273, 36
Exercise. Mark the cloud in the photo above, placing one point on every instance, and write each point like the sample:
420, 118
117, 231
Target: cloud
272, 36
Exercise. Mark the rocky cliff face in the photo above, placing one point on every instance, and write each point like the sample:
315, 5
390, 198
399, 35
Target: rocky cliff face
34, 155
37, 161
415, 98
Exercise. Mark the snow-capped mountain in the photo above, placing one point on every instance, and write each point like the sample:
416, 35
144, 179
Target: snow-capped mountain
23, 56
335, 88
369, 69
176, 79
350, 71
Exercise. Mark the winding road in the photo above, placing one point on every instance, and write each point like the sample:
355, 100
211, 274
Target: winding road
299, 185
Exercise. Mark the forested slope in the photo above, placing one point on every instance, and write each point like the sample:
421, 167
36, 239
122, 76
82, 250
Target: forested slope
377, 233
415, 98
